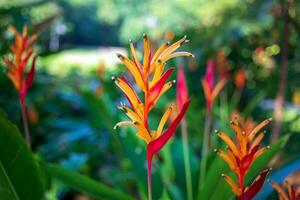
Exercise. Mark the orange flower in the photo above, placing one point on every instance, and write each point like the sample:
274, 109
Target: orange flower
240, 156
152, 80
211, 90
22, 51
240, 78
292, 193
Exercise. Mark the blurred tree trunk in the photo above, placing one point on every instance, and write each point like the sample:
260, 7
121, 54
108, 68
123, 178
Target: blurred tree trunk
280, 98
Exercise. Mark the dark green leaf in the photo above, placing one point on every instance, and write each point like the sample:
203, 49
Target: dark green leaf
19, 173
85, 184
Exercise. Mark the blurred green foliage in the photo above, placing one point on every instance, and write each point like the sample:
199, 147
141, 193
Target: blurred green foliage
73, 103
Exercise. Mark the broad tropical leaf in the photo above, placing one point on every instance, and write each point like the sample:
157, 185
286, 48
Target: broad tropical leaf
19, 173
85, 184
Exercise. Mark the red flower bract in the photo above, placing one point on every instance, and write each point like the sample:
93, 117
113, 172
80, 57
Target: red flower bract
182, 91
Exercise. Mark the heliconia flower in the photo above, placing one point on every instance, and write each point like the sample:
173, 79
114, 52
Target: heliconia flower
182, 90
240, 79
150, 77
22, 50
291, 194
240, 155
247, 123
210, 90
222, 65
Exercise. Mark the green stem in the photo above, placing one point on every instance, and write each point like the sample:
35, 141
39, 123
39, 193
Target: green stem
205, 149
235, 99
187, 166
25, 123
149, 175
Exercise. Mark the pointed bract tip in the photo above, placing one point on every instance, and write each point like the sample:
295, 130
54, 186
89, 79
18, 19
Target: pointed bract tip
223, 175
174, 81
113, 78
130, 41
144, 35
230, 122
216, 150
115, 127
270, 119
268, 147
192, 55
216, 131
120, 56
168, 43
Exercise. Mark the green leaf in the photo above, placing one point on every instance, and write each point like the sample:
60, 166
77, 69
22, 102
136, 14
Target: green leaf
253, 103
165, 196
19, 173
97, 109
85, 184
213, 178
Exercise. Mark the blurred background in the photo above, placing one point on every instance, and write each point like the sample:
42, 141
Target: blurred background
72, 105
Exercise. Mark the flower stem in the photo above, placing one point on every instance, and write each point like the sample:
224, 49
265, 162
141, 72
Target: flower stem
25, 123
205, 149
149, 176
187, 166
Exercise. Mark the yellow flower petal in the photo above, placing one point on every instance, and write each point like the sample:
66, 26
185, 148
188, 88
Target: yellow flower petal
260, 152
257, 140
241, 136
157, 73
124, 123
131, 114
138, 126
228, 140
157, 55
258, 128
134, 70
176, 54
146, 52
163, 121
128, 92
173, 47
235, 189
227, 158
133, 53
144, 136
141, 128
